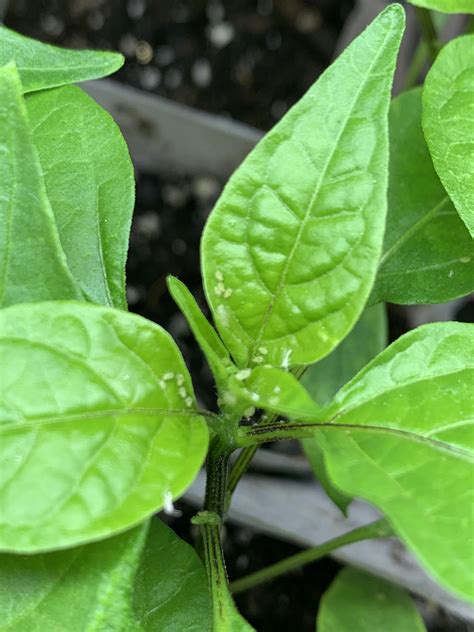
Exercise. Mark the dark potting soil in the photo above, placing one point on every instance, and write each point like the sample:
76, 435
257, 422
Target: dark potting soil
249, 59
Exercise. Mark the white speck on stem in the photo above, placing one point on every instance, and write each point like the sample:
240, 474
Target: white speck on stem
182, 392
258, 359
450, 274
168, 376
188, 401
263, 350
219, 276
180, 379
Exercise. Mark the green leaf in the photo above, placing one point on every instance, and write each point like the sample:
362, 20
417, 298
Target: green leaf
361, 602
212, 346
145, 580
448, 109
289, 253
366, 340
32, 263
324, 379
44, 66
400, 436
276, 391
98, 424
428, 254
446, 6
90, 184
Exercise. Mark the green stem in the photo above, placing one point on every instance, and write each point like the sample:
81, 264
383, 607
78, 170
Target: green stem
240, 466
429, 31
277, 432
210, 525
378, 529
217, 470
247, 453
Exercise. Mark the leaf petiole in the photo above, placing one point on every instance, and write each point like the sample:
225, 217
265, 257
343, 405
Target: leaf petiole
378, 529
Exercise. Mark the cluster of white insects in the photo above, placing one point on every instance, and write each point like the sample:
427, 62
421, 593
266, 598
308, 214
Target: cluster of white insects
179, 378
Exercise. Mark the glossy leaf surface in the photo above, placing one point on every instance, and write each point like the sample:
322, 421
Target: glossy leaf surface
446, 6
97, 424
448, 111
358, 601
90, 184
400, 435
290, 251
145, 580
44, 66
278, 391
428, 254
32, 263
324, 379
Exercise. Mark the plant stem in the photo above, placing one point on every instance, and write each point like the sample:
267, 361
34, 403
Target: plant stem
278, 431
210, 524
378, 529
429, 31
247, 453
239, 467
217, 470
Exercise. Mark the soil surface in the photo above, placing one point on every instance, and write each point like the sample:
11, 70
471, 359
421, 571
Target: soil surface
250, 60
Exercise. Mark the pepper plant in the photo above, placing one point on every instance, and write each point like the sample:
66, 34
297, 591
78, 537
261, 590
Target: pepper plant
350, 201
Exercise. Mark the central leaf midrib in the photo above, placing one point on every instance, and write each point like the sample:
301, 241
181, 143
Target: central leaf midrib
308, 210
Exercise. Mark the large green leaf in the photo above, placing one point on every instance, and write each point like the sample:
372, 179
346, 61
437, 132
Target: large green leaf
97, 423
400, 434
446, 6
45, 66
32, 263
428, 254
324, 379
290, 252
145, 580
89, 182
448, 111
358, 602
